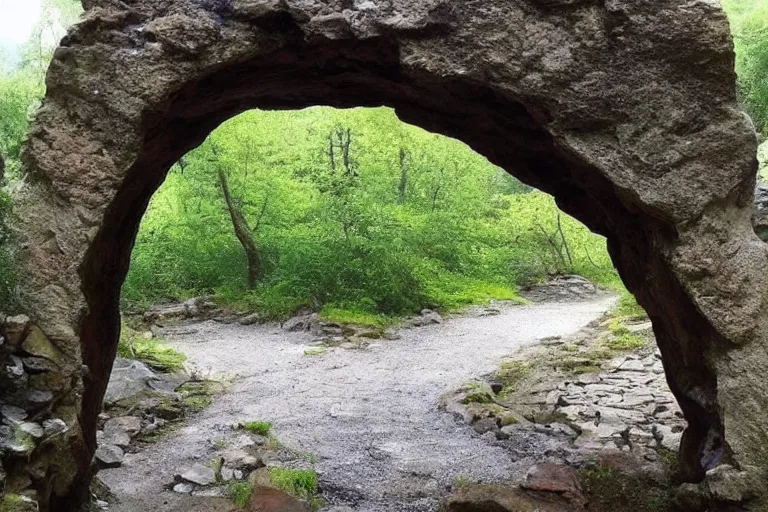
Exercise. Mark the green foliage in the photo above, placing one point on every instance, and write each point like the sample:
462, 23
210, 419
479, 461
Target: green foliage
749, 24
154, 353
319, 351
354, 213
8, 270
13, 503
239, 492
296, 482
261, 428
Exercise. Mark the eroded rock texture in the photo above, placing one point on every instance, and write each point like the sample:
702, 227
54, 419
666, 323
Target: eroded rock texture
624, 110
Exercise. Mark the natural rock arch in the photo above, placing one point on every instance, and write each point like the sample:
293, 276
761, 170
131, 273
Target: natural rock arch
625, 111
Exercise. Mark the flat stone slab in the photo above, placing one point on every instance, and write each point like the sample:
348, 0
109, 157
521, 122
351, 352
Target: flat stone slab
200, 475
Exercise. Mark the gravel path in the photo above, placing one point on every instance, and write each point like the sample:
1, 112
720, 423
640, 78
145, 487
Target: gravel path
370, 416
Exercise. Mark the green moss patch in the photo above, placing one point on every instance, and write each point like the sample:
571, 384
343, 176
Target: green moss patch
261, 428
153, 352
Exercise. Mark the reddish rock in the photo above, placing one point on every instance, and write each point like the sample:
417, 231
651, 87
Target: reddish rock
555, 478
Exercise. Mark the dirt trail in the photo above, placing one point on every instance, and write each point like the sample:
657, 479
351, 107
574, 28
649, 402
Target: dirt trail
370, 416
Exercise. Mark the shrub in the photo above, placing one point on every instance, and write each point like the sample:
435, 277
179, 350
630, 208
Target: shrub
261, 428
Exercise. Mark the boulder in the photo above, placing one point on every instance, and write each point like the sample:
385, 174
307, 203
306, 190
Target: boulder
109, 456
129, 378
555, 478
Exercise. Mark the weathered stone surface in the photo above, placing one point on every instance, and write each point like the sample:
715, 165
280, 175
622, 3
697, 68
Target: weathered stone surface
131, 425
555, 478
54, 426
109, 456
114, 437
200, 475
427, 317
183, 488
15, 329
129, 378
625, 111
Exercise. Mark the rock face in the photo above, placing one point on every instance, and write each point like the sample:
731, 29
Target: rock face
625, 111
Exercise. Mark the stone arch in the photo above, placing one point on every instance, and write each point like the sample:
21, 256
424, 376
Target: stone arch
624, 111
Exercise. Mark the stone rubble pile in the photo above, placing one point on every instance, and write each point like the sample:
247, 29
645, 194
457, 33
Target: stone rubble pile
239, 456
561, 289
625, 405
138, 403
35, 415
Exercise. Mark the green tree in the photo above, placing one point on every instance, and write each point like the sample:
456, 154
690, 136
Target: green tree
749, 24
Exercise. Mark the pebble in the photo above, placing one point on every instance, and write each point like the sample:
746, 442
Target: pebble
183, 488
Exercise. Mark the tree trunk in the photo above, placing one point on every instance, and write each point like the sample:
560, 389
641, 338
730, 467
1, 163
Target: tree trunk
243, 233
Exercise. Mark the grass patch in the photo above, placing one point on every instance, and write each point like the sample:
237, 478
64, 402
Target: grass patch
355, 316
239, 492
300, 483
197, 403
318, 351
453, 292
261, 428
152, 352
622, 339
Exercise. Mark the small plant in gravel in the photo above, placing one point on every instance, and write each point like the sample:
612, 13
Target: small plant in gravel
318, 351
460, 481
300, 483
261, 428
239, 492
